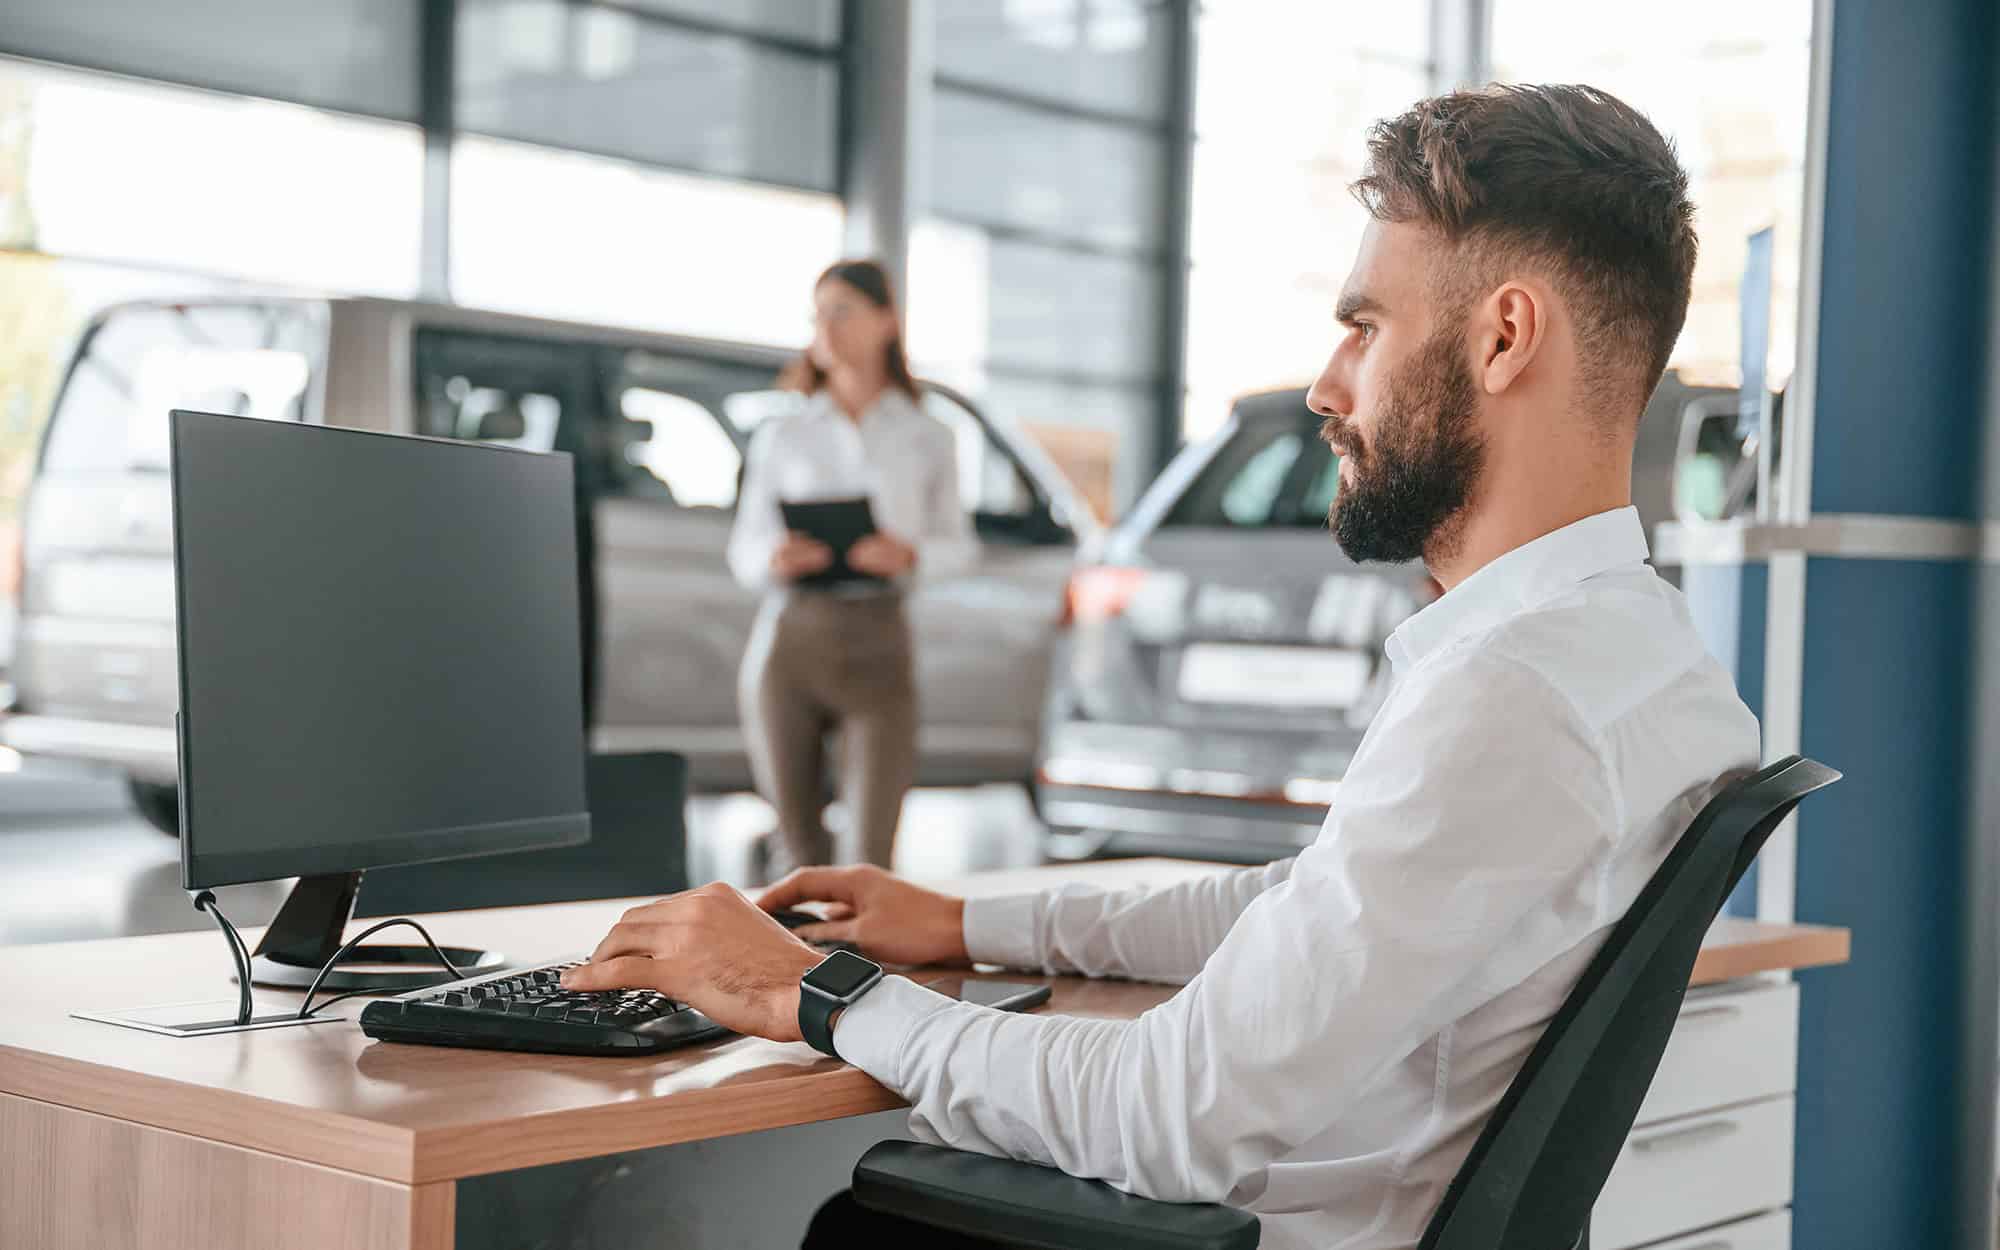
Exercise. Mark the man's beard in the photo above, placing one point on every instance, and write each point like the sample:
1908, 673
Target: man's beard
1411, 485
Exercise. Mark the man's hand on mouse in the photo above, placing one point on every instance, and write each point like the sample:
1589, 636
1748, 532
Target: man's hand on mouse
891, 920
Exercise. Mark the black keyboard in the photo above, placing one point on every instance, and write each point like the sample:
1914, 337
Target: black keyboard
528, 1010
525, 1009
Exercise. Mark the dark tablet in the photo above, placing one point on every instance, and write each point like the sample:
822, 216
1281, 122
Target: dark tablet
839, 523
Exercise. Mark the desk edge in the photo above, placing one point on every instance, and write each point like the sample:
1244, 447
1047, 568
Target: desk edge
346, 1143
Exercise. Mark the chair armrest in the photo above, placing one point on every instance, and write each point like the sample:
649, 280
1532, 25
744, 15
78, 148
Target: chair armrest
1031, 1205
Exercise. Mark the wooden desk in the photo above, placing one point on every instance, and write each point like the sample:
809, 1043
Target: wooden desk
318, 1136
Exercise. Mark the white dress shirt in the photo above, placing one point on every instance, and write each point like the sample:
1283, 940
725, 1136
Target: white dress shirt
1349, 1018
903, 461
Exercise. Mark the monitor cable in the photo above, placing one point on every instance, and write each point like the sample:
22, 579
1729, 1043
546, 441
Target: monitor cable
205, 901
305, 1008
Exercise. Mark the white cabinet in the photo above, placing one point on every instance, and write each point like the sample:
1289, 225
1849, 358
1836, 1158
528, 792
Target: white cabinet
1696, 1171
1709, 1164
1729, 1047
1763, 1232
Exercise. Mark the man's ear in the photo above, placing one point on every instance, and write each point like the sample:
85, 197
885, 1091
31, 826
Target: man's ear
1513, 323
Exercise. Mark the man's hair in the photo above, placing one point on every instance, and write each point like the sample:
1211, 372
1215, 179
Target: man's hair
1568, 179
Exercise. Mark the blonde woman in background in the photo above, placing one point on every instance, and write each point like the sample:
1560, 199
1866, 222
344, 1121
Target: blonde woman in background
822, 659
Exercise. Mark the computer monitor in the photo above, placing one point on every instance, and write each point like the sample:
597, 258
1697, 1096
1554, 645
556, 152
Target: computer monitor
379, 664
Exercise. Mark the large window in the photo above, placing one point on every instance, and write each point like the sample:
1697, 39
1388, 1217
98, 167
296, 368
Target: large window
561, 234
667, 163
358, 56
114, 169
1729, 84
742, 102
1284, 95
1036, 281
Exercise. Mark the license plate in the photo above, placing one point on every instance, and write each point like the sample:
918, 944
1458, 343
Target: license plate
1318, 677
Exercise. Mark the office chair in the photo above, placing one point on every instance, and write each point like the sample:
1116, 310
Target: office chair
1535, 1171
638, 846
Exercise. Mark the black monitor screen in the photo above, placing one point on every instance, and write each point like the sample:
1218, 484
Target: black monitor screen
379, 651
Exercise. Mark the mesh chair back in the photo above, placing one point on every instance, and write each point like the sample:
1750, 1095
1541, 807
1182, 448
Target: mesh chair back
1533, 1175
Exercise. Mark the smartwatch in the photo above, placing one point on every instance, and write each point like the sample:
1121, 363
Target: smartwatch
832, 985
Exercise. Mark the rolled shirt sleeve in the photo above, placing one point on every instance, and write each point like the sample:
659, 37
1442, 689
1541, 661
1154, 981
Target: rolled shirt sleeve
1145, 933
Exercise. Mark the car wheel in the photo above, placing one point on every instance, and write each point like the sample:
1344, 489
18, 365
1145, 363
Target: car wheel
160, 805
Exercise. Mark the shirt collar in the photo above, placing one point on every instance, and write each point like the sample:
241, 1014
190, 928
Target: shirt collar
1529, 574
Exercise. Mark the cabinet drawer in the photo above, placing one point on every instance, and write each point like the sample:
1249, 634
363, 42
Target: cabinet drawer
1699, 1170
1763, 1232
1727, 1048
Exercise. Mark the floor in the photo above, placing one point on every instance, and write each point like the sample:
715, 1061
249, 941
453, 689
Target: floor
77, 863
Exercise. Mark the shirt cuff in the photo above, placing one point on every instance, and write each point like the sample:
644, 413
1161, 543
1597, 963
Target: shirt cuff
871, 1033
1002, 931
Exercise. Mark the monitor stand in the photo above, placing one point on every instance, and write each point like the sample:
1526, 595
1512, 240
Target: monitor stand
307, 932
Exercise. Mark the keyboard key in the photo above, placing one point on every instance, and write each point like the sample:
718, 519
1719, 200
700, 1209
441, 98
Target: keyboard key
552, 1011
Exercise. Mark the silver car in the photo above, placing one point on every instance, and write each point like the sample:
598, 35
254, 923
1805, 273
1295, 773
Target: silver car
658, 425
1222, 656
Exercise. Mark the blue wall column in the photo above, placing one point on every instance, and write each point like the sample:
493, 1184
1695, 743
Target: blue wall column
1728, 600
1885, 1067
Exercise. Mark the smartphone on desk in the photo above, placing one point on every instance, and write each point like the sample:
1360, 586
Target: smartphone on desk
1002, 995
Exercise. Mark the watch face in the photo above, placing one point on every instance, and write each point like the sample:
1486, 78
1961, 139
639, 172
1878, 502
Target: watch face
841, 973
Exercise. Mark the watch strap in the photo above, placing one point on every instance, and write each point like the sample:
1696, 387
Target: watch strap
816, 1014
818, 1008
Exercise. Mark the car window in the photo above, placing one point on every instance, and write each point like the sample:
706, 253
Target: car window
989, 481
1322, 488
507, 391
1266, 474
500, 415
677, 447
1249, 496
250, 360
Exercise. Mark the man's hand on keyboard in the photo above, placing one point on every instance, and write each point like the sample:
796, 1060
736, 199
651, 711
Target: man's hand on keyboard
712, 949
891, 920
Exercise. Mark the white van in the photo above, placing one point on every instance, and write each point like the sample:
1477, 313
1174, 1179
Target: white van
658, 425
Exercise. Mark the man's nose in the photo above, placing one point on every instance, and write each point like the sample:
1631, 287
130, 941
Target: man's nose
1330, 396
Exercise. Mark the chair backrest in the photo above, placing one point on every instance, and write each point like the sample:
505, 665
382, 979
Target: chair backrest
1533, 1175
638, 845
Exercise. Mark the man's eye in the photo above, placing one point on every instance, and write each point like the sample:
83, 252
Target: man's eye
1366, 329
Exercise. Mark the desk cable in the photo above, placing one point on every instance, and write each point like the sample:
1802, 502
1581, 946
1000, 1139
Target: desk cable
305, 1008
205, 901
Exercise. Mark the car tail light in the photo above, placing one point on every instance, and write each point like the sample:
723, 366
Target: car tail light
1095, 595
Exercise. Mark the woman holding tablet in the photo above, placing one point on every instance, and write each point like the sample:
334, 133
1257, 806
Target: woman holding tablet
826, 653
